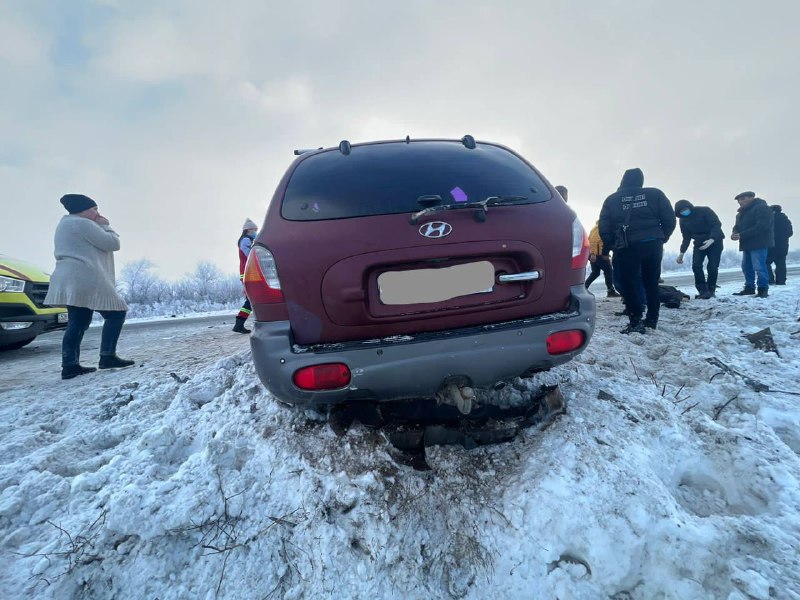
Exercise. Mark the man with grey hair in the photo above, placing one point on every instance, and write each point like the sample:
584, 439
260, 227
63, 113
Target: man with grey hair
754, 232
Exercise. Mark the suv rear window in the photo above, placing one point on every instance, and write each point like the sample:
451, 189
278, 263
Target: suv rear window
387, 178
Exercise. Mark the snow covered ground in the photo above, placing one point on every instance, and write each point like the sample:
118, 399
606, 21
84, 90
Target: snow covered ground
664, 479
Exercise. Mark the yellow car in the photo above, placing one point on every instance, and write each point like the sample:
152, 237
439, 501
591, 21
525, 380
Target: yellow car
23, 315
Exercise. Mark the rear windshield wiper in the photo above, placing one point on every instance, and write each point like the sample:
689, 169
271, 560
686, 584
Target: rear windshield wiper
481, 207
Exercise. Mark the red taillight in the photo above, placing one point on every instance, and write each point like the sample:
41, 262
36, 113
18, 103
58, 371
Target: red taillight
580, 245
562, 342
261, 277
322, 377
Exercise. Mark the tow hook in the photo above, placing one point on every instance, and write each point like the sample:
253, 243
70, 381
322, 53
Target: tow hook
461, 397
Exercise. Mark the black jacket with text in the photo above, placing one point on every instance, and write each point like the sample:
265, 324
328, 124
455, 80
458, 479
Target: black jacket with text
651, 216
754, 224
702, 224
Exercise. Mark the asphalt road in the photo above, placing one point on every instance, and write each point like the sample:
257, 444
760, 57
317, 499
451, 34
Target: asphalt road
170, 345
724, 277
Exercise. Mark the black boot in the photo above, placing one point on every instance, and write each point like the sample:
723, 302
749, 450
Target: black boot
763, 292
612, 293
239, 326
114, 362
747, 291
74, 370
634, 327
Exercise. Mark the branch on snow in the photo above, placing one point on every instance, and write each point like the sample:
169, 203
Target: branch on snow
721, 407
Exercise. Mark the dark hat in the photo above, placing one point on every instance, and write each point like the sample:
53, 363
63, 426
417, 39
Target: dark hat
632, 178
75, 203
745, 195
682, 205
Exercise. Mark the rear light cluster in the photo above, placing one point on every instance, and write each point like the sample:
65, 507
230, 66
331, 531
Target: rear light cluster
261, 277
562, 342
329, 376
580, 245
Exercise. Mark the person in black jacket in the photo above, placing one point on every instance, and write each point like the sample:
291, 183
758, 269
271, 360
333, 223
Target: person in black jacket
701, 224
777, 254
635, 222
755, 234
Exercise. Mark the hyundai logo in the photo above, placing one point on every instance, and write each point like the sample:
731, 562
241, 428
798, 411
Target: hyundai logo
436, 229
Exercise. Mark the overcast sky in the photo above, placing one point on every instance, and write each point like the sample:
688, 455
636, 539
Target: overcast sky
179, 117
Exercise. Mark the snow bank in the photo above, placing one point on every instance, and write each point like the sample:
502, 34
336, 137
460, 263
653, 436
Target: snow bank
665, 479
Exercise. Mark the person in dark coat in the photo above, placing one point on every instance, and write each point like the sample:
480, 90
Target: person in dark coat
777, 254
755, 233
701, 224
644, 216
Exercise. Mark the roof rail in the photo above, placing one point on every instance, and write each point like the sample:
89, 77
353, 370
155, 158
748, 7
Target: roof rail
344, 147
300, 151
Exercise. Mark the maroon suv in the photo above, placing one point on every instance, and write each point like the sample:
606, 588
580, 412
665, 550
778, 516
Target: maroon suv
414, 268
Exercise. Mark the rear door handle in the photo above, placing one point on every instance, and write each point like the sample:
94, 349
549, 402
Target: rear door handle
526, 276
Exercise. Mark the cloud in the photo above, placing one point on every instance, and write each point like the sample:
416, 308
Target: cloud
182, 116
22, 46
153, 50
293, 95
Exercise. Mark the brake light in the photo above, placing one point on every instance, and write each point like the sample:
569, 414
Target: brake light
562, 342
580, 245
322, 377
261, 277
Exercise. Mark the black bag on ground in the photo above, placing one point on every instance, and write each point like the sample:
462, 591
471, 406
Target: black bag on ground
671, 296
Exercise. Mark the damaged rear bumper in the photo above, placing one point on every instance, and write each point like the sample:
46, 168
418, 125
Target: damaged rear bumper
418, 366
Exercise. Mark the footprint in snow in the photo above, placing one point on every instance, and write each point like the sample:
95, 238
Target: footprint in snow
705, 494
574, 565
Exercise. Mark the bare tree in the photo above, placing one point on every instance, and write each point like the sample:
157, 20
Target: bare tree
139, 284
206, 288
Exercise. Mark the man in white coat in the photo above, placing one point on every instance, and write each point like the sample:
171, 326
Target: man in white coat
84, 282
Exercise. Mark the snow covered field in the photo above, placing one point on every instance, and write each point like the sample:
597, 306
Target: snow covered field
664, 479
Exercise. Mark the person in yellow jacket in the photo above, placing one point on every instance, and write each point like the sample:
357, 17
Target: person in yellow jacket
600, 261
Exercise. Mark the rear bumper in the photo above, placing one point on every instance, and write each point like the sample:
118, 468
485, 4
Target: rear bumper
417, 366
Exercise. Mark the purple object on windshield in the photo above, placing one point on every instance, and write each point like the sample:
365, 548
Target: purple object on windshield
458, 194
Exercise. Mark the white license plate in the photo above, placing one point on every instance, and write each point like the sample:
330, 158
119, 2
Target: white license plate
422, 286
62, 317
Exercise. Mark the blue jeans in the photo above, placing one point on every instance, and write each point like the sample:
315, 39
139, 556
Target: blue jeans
754, 264
79, 320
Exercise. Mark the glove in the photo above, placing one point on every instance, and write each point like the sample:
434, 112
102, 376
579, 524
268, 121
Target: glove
706, 244
679, 260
